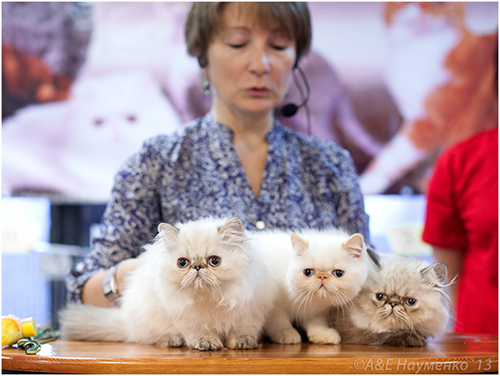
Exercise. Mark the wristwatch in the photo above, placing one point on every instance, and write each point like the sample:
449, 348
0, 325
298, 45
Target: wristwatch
110, 286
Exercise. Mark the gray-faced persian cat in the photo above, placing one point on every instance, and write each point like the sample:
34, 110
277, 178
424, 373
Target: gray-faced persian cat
402, 303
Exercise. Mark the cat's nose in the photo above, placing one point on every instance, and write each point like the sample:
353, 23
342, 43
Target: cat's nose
197, 266
322, 275
393, 304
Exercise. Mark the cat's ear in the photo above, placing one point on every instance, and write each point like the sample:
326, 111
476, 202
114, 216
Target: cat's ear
438, 271
232, 231
168, 232
373, 255
299, 245
354, 245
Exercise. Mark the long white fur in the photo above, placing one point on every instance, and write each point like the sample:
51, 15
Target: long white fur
162, 305
300, 299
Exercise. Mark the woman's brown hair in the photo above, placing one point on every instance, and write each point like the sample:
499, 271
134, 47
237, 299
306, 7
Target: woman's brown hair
204, 19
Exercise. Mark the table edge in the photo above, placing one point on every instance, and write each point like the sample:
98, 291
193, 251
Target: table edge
233, 365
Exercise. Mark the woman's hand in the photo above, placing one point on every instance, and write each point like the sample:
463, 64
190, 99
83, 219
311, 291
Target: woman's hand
92, 289
123, 270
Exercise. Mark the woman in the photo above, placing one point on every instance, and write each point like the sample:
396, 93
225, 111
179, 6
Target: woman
235, 161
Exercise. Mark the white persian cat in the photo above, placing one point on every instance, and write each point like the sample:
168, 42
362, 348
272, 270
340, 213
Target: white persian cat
200, 285
314, 269
75, 147
401, 304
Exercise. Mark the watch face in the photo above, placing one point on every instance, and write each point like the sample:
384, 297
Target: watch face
107, 289
109, 285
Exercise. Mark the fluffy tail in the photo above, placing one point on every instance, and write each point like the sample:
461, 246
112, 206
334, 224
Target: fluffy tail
82, 322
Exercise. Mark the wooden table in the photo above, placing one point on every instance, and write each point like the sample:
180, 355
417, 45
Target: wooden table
454, 353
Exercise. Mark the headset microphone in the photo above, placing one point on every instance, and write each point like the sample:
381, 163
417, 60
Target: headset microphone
291, 109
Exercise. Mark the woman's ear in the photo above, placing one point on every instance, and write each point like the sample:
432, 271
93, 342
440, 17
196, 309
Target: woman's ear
202, 60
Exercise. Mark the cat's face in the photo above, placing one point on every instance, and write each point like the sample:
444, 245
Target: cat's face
204, 258
404, 294
326, 270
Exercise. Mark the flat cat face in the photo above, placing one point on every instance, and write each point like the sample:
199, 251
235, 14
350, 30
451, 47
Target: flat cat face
203, 257
404, 294
327, 269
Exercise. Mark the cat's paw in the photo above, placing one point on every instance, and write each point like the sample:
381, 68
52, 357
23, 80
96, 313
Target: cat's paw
207, 343
176, 340
324, 336
287, 336
406, 340
242, 342
172, 340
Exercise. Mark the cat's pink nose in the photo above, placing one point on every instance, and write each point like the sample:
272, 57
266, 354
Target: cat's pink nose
322, 275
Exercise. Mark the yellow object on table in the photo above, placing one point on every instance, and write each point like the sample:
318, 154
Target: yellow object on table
13, 329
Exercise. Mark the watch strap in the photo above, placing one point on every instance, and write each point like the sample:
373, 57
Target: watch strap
110, 286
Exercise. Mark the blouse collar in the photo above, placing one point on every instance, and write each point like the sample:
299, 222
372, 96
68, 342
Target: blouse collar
226, 134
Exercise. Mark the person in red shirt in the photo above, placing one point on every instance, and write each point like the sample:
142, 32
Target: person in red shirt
462, 226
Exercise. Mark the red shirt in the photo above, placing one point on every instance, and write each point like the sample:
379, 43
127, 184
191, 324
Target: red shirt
462, 212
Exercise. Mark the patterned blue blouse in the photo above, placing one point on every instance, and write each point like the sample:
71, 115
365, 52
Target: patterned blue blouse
196, 172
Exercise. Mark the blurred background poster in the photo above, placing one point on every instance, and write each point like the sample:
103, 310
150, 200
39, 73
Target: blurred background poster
84, 84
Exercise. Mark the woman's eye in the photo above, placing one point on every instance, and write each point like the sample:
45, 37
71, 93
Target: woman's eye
410, 302
236, 45
338, 273
183, 263
278, 47
214, 261
308, 272
380, 297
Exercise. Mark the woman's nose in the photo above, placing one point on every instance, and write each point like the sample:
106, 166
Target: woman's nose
259, 61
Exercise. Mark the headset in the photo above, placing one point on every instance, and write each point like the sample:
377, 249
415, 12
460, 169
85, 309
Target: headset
291, 109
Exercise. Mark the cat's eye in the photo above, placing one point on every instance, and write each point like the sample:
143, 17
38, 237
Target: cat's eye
214, 261
380, 297
410, 302
183, 263
98, 122
338, 273
309, 272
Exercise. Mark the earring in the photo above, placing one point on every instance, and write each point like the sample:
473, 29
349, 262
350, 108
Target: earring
206, 87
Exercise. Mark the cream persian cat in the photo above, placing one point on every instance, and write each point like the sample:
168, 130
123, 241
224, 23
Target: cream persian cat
401, 304
314, 269
200, 285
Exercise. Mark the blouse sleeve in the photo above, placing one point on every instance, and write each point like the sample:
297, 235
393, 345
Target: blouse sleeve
443, 227
129, 222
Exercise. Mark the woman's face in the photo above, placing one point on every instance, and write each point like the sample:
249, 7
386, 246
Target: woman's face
248, 67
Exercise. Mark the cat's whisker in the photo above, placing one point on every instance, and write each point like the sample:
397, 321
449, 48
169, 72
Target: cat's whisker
403, 318
345, 299
180, 289
381, 314
302, 303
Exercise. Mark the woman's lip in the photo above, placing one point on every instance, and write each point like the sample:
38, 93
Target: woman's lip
258, 90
